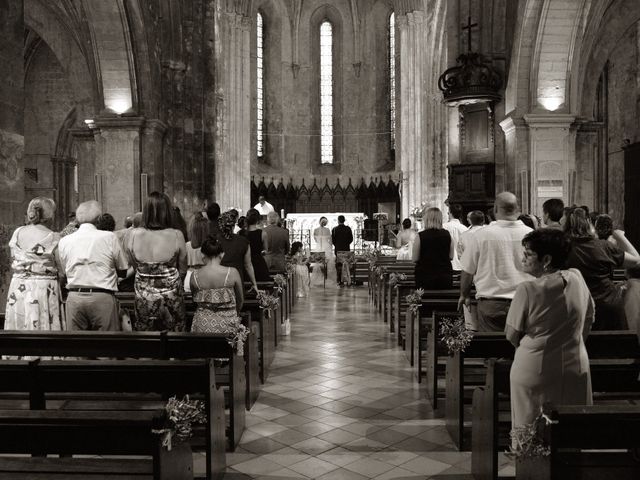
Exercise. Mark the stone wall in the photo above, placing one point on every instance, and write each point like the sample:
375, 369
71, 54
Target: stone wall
361, 91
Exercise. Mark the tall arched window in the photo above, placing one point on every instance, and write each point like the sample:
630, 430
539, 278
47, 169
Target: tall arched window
326, 92
260, 85
392, 79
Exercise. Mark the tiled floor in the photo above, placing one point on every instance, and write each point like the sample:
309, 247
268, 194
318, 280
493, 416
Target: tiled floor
340, 403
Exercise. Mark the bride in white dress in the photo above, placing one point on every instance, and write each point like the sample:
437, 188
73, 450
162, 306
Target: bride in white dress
322, 238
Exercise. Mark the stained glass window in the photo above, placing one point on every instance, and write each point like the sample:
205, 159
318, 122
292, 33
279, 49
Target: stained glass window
392, 79
326, 92
260, 84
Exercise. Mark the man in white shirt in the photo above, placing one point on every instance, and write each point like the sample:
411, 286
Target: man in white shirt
493, 261
455, 228
263, 206
92, 260
476, 222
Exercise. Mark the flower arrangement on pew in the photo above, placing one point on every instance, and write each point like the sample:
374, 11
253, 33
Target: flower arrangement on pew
395, 278
415, 300
267, 302
371, 255
237, 339
180, 416
280, 282
454, 334
527, 440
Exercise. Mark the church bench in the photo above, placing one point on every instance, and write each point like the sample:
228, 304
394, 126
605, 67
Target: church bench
400, 267
360, 271
419, 325
465, 370
266, 333
83, 385
611, 379
280, 314
374, 276
148, 345
125, 434
598, 429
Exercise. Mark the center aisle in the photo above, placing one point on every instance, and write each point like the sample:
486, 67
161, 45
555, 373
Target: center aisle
340, 403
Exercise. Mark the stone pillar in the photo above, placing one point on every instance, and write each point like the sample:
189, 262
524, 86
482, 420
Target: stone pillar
411, 132
593, 185
514, 176
11, 116
552, 145
118, 165
152, 154
233, 119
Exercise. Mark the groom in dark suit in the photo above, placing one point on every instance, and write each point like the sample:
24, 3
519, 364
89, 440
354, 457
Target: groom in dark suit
341, 237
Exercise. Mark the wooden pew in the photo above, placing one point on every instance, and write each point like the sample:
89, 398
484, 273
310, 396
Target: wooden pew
466, 370
69, 385
266, 330
611, 379
400, 267
598, 429
127, 434
154, 345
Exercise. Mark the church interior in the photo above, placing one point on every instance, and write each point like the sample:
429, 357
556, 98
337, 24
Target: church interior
377, 110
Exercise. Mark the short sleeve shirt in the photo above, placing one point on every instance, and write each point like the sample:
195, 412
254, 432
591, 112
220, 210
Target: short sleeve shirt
596, 259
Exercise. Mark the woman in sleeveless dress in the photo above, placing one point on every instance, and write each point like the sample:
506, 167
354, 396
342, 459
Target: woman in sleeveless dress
433, 250
257, 238
158, 253
218, 293
33, 301
404, 241
301, 271
548, 320
237, 251
198, 232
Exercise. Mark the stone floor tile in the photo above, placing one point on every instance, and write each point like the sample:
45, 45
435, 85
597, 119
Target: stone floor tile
313, 467
369, 467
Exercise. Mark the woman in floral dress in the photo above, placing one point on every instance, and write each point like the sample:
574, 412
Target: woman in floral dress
218, 293
33, 301
158, 253
300, 269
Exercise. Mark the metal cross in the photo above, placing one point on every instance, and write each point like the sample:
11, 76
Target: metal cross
469, 26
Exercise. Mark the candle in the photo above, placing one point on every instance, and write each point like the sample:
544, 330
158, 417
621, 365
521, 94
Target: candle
282, 213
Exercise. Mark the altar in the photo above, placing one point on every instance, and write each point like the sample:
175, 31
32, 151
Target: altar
302, 225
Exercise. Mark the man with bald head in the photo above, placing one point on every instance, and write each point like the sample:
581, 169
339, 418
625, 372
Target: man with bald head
492, 260
92, 260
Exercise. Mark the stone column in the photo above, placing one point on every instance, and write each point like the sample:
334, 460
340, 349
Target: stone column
593, 185
152, 154
552, 145
64, 187
118, 165
232, 162
514, 176
411, 132
11, 116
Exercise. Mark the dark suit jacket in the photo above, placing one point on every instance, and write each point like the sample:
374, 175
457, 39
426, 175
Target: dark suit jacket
342, 237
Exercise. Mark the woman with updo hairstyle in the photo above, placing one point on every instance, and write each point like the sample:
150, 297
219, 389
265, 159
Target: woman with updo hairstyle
158, 253
237, 252
217, 292
548, 321
404, 240
596, 259
33, 298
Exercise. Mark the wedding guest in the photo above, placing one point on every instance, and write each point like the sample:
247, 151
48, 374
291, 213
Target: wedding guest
476, 222
529, 220
33, 297
604, 230
198, 233
596, 259
455, 228
106, 223
257, 240
276, 244
71, 227
242, 226
218, 293
213, 214
552, 213
237, 252
92, 261
433, 250
548, 321
301, 270
158, 254
492, 261
404, 240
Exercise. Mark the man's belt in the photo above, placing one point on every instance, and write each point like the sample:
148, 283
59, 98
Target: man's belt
91, 290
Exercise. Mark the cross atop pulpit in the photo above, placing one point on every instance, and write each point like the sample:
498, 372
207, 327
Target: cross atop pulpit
469, 26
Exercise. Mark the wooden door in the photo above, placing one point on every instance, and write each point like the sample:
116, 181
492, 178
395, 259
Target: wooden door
632, 194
